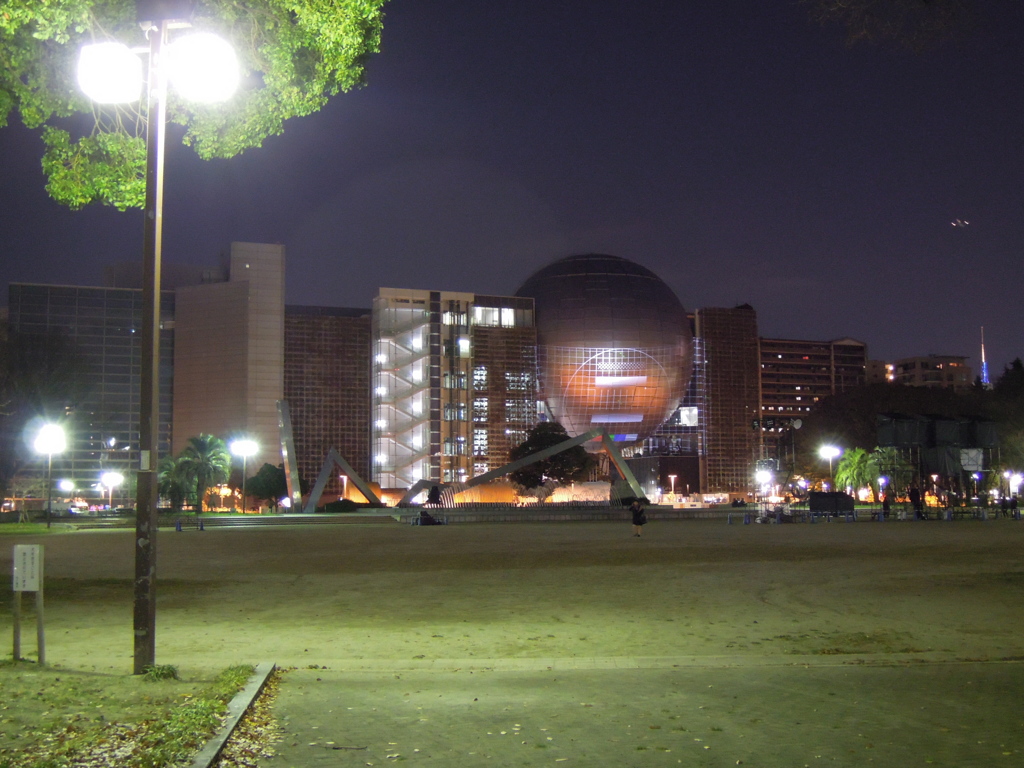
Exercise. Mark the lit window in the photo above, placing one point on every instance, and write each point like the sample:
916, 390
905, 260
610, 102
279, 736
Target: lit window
380, 390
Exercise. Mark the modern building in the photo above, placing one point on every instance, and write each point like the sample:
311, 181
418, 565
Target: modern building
103, 325
327, 386
453, 384
795, 376
937, 371
229, 353
441, 385
732, 396
615, 347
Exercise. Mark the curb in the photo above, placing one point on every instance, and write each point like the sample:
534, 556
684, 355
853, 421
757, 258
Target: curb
237, 708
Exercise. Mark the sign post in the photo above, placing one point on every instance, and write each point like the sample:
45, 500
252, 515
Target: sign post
28, 577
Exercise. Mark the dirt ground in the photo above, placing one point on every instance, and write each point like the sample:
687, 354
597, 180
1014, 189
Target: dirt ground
546, 643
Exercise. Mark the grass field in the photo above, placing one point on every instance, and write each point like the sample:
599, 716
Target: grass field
701, 643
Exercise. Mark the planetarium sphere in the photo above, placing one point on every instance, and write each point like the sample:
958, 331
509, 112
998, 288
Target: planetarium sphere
614, 345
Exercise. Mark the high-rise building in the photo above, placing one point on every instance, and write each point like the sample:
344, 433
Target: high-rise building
104, 326
229, 353
327, 386
454, 384
795, 376
732, 396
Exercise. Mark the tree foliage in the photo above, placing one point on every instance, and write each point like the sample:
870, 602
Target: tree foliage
564, 467
913, 24
295, 55
269, 484
174, 483
206, 462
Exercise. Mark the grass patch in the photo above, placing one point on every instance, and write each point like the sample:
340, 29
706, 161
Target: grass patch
32, 529
65, 718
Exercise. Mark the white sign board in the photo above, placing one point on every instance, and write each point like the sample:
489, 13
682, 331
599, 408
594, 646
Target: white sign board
28, 567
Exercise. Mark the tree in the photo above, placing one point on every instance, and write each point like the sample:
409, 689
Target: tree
565, 467
206, 462
913, 24
269, 484
174, 482
858, 469
295, 55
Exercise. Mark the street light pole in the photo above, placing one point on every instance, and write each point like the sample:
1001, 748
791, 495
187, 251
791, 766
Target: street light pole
144, 616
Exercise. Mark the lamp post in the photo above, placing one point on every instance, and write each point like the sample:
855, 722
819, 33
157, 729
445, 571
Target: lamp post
245, 449
50, 440
829, 452
193, 69
672, 483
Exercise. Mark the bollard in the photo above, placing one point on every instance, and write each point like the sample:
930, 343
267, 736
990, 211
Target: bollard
949, 515
746, 518
728, 520
201, 526
177, 525
984, 514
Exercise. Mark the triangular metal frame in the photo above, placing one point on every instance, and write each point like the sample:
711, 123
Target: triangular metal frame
332, 460
606, 443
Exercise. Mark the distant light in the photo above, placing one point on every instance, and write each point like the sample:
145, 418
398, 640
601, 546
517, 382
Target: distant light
244, 448
829, 451
380, 358
380, 423
203, 67
763, 476
109, 73
66, 485
111, 479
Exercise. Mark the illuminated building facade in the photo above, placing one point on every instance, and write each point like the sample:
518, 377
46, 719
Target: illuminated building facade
453, 384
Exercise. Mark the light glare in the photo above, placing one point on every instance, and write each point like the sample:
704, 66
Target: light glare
109, 73
203, 67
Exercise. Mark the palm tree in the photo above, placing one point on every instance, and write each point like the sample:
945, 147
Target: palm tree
206, 462
174, 482
857, 469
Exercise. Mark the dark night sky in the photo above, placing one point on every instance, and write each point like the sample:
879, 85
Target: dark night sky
738, 150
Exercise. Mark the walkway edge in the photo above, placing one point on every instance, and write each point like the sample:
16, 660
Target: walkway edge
237, 708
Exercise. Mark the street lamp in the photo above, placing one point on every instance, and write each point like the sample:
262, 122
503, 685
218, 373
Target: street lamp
110, 481
245, 449
50, 440
829, 452
672, 482
181, 63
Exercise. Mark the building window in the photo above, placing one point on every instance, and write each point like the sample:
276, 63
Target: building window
454, 446
479, 442
518, 382
455, 381
480, 409
454, 411
479, 378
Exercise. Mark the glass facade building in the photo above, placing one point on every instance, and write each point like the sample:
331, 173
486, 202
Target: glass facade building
103, 325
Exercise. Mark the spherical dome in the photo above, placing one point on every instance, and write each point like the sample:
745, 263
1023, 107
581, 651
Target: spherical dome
614, 345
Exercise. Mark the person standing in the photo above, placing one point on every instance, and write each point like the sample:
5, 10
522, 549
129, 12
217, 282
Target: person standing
639, 516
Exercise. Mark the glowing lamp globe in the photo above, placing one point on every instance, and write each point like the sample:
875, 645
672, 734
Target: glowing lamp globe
202, 67
109, 73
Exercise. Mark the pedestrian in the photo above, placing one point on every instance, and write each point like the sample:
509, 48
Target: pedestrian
639, 516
